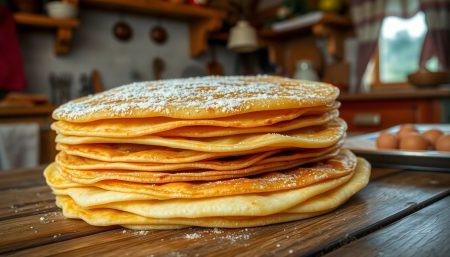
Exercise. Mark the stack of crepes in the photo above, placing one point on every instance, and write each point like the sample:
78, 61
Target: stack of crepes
212, 152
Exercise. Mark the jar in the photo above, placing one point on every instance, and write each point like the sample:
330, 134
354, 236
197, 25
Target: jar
305, 71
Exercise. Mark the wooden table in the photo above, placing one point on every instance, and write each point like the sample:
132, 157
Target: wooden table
400, 213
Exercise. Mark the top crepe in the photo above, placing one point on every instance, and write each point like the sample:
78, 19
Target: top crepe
198, 98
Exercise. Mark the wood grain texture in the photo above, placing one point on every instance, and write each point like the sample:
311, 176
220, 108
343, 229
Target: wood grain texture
44, 21
26, 201
391, 196
21, 178
396, 94
391, 112
167, 9
424, 233
40, 229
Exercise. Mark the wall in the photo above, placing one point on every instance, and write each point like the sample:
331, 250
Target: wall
95, 47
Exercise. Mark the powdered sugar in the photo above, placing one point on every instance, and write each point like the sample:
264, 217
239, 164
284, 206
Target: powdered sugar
193, 236
232, 236
217, 95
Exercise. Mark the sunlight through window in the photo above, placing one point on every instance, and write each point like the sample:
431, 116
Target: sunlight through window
400, 45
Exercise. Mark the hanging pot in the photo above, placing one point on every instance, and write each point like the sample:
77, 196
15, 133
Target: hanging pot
158, 34
122, 31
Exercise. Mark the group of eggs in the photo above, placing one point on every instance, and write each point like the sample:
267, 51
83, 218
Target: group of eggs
409, 138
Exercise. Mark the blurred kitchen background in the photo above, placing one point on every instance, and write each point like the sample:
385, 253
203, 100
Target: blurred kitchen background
390, 58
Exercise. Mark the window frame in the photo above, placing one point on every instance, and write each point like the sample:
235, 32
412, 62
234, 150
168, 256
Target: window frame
377, 83
376, 76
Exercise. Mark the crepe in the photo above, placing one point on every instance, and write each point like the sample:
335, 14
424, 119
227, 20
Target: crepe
204, 131
229, 163
145, 126
198, 98
241, 205
108, 217
234, 151
244, 213
311, 137
225, 206
92, 176
336, 167
81, 163
314, 206
144, 153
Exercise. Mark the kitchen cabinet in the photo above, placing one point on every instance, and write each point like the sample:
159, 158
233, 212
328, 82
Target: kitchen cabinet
380, 110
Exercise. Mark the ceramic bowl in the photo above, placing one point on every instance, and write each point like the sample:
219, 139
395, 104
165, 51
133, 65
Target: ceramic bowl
425, 79
61, 10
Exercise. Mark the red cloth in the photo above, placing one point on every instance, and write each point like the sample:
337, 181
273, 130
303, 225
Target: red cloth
12, 77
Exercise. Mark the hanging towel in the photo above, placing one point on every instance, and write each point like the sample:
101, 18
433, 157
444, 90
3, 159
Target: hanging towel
19, 145
12, 76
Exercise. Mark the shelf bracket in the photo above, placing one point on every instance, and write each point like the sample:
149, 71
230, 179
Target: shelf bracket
199, 31
63, 39
336, 38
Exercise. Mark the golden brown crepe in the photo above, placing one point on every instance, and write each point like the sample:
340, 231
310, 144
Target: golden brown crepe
235, 151
286, 126
92, 176
336, 167
65, 160
145, 153
198, 98
310, 137
121, 128
300, 203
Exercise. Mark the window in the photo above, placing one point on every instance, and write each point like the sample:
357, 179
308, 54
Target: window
399, 47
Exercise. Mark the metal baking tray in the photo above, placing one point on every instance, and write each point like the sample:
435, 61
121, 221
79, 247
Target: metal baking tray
364, 146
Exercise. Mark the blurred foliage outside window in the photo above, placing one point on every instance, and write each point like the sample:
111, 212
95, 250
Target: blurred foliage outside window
400, 44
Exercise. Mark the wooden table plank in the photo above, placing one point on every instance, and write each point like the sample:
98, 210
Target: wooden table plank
26, 201
424, 233
21, 178
386, 199
34, 230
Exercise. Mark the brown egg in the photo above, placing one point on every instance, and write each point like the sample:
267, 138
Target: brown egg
432, 135
407, 126
387, 141
443, 143
406, 129
413, 141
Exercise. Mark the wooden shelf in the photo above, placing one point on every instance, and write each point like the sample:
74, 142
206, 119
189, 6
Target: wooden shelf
64, 28
45, 21
329, 20
201, 20
7, 111
288, 46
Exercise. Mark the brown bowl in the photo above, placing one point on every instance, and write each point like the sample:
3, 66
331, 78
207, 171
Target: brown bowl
425, 79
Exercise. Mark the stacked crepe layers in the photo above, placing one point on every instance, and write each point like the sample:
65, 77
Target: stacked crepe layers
211, 152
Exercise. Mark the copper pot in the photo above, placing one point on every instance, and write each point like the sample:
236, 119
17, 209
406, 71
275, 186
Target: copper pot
122, 31
158, 34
